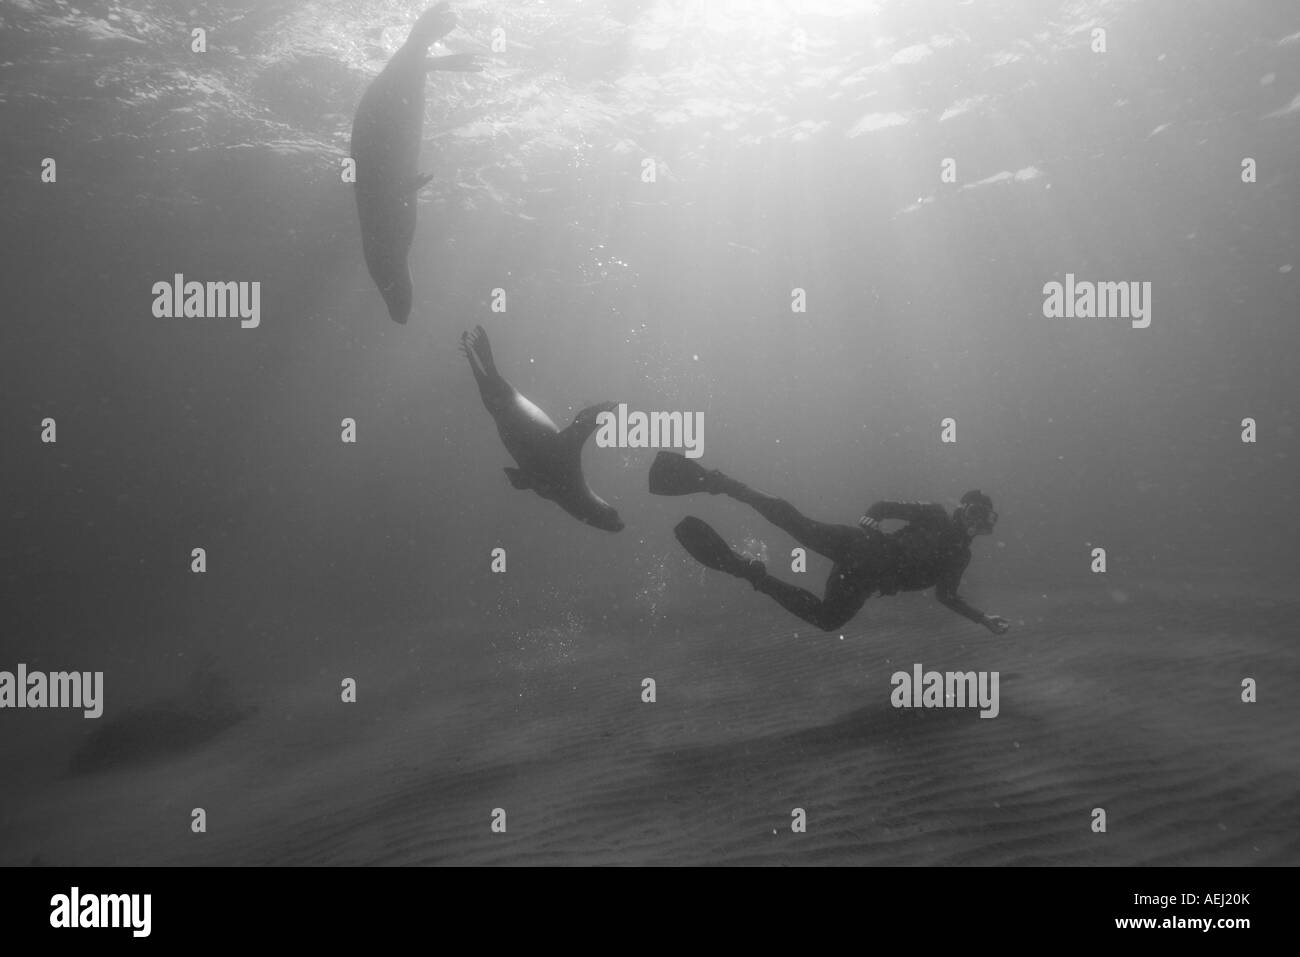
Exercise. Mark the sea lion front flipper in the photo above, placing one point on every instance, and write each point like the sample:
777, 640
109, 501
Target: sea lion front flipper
585, 422
457, 62
418, 182
517, 478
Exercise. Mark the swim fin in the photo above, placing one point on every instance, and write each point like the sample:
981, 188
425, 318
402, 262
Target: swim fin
709, 549
672, 473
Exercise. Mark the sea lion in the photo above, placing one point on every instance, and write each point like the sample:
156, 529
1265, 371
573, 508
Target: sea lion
386, 136
549, 459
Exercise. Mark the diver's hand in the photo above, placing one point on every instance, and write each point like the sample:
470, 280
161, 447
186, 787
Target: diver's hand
996, 624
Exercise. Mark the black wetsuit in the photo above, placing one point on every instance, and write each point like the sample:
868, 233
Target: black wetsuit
931, 551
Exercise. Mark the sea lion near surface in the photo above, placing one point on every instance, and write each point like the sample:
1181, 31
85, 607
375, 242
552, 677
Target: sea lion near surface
386, 136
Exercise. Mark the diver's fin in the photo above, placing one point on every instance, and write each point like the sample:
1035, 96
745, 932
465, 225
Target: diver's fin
518, 478
709, 549
585, 422
418, 182
456, 62
672, 473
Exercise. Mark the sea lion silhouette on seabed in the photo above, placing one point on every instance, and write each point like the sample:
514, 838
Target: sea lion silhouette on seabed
549, 459
386, 135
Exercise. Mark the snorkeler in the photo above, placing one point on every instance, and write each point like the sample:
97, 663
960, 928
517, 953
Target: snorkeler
931, 551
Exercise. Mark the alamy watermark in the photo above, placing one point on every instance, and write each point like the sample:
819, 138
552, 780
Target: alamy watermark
949, 689
75, 909
1083, 299
58, 689
213, 300
651, 430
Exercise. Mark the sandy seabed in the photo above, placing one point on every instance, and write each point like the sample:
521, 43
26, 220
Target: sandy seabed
1130, 705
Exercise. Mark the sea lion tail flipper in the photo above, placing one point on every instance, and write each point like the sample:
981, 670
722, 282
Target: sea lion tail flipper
495, 391
586, 422
434, 24
475, 363
517, 478
478, 341
456, 62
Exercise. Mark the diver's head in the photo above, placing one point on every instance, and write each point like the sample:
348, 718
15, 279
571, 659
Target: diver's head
976, 515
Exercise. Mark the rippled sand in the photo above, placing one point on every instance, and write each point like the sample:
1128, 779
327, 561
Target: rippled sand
1132, 706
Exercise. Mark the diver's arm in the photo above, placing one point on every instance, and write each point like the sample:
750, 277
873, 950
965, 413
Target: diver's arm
905, 511
958, 604
946, 593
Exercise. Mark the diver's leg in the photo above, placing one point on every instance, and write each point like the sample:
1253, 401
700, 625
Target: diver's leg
845, 596
836, 542
673, 474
